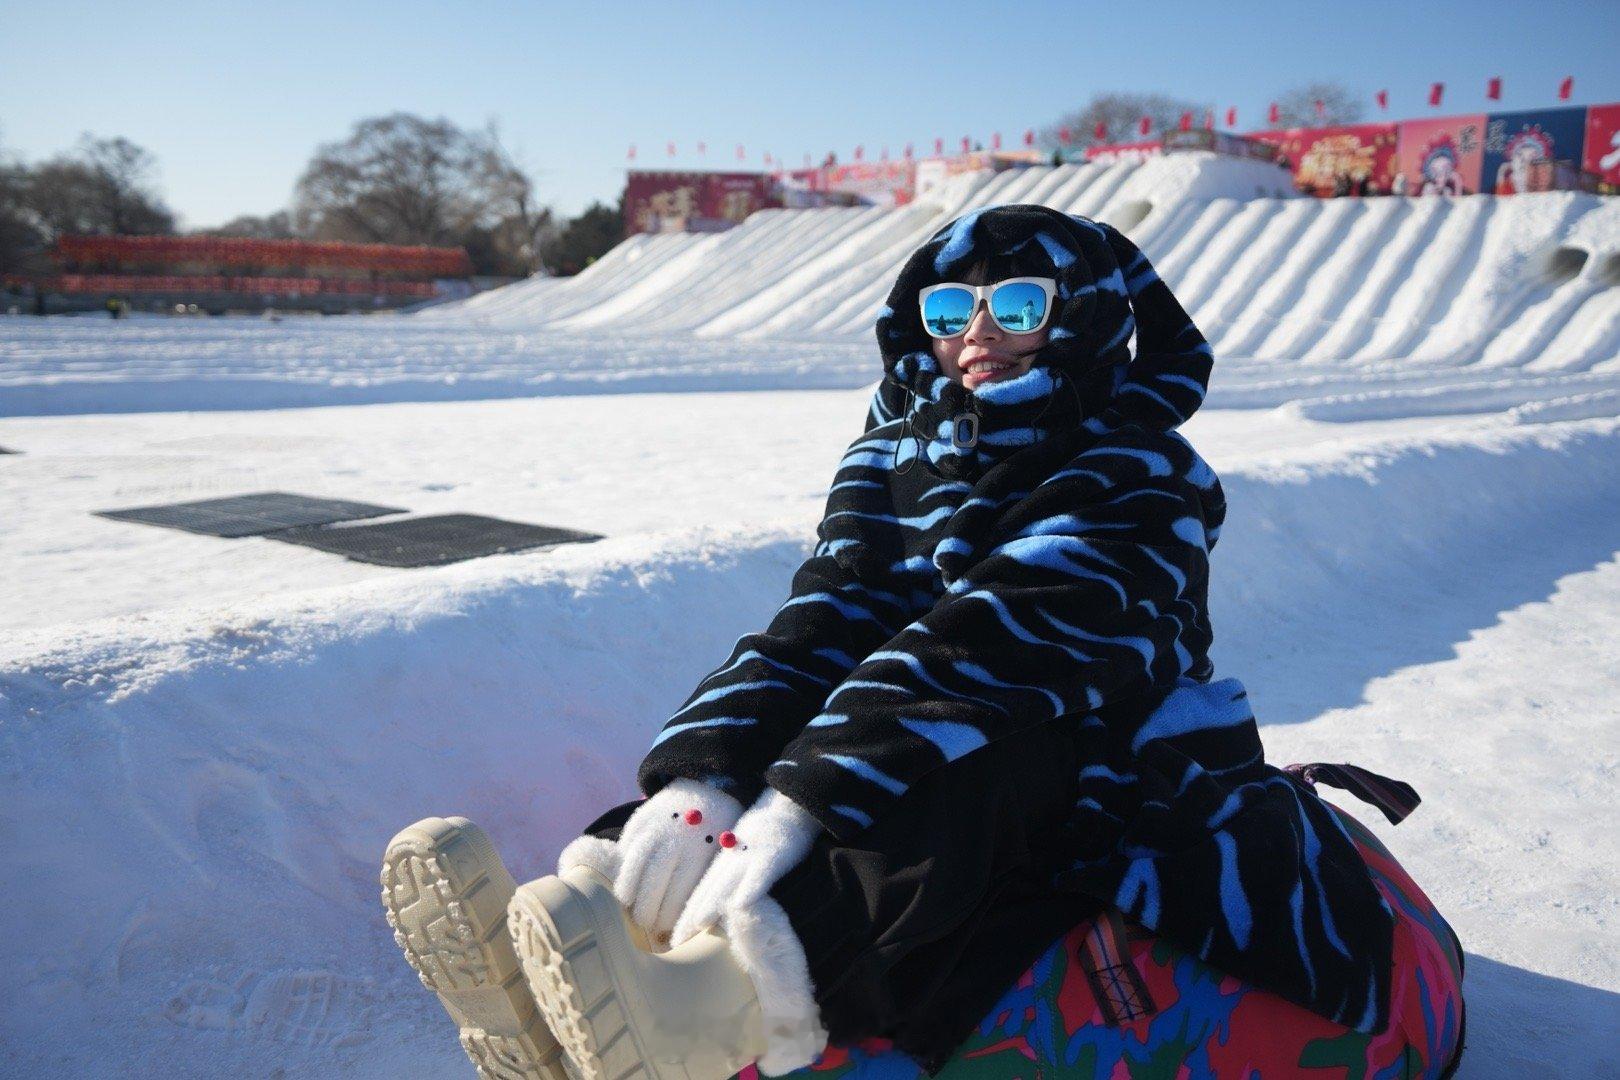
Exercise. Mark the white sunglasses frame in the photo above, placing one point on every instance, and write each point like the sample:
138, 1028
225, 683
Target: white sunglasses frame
981, 293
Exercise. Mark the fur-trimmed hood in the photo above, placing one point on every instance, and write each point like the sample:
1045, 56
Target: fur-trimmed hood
1085, 375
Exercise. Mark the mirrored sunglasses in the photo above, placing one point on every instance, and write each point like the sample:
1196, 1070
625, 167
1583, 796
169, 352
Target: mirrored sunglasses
1019, 305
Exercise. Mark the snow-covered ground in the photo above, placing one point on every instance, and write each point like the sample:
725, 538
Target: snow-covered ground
620, 465
205, 743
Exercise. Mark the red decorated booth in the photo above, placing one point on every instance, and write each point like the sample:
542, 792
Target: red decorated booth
221, 273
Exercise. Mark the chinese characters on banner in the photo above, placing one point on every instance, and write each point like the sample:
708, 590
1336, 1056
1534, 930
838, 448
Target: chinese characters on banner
1442, 156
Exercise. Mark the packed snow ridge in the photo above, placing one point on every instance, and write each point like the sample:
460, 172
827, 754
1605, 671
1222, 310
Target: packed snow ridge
1529, 281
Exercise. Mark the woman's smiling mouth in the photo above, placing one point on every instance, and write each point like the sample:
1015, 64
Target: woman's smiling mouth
983, 370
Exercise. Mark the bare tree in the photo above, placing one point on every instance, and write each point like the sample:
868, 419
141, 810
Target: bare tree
104, 186
1122, 112
521, 224
21, 238
1340, 105
398, 179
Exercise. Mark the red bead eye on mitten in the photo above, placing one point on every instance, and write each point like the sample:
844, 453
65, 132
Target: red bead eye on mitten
666, 846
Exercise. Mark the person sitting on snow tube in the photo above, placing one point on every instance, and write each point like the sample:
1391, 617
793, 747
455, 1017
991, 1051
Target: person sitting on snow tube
984, 721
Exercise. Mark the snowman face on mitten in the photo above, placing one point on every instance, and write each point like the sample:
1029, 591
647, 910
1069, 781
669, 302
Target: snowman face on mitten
665, 847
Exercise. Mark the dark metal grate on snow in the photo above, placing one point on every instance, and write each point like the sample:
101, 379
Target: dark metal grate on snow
249, 515
431, 541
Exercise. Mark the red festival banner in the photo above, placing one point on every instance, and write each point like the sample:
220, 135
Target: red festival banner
884, 183
693, 201
1116, 152
1319, 156
1602, 154
1442, 156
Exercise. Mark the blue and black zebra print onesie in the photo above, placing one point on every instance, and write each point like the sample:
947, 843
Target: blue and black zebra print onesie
1052, 569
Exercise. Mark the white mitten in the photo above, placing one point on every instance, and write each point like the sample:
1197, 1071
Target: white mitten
666, 846
772, 838
592, 851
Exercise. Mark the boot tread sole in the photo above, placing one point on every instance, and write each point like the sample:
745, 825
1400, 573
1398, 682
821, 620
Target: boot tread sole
600, 1042
462, 955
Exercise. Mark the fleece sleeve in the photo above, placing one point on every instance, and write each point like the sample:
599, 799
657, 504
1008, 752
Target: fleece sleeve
1082, 600
744, 712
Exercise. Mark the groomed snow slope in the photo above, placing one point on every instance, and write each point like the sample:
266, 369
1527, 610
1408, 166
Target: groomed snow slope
1498, 282
1292, 292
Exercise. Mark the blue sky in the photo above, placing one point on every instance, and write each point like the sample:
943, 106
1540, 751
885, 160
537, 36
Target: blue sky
233, 97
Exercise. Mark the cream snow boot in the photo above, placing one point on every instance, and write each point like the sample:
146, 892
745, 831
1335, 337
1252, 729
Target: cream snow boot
445, 892
621, 1011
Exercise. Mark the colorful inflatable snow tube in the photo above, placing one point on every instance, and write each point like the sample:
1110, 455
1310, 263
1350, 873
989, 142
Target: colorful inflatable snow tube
1079, 1012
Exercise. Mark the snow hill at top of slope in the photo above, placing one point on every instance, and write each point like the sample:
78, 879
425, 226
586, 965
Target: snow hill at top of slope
1528, 280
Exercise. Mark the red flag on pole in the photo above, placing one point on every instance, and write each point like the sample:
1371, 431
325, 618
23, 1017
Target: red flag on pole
1209, 119
939, 147
860, 152
1566, 88
1382, 97
1146, 124
1231, 116
1100, 132
1186, 121
1065, 135
967, 143
1321, 108
995, 140
908, 151
1273, 114
669, 148
1029, 136
1436, 90
1493, 89
632, 151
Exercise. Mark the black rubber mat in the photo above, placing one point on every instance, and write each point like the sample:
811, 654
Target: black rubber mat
249, 515
431, 541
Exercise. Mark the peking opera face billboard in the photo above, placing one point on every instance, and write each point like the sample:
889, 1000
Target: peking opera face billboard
1517, 140
1319, 156
1443, 156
